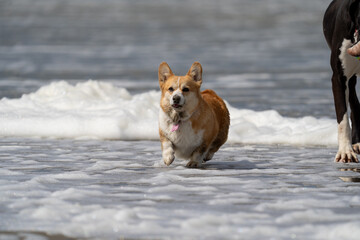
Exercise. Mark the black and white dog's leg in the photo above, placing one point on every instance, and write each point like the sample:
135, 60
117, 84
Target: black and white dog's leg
355, 115
341, 95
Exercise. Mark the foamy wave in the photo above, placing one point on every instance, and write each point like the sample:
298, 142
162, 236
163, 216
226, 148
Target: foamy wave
101, 110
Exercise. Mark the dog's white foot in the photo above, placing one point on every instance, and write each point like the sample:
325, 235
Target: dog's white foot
346, 155
193, 164
168, 160
356, 148
168, 154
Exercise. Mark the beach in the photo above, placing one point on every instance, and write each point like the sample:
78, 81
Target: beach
80, 156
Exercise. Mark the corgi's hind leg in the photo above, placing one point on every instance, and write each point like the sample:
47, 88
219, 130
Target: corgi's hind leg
197, 156
219, 141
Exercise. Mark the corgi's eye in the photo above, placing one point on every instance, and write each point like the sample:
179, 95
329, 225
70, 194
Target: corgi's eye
185, 89
171, 89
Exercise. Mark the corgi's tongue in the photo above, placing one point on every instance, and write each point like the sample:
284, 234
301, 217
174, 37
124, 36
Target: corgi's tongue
176, 106
175, 127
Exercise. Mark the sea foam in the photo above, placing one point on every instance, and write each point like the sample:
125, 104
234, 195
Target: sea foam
100, 110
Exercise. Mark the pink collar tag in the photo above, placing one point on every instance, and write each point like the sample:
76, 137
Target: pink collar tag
175, 127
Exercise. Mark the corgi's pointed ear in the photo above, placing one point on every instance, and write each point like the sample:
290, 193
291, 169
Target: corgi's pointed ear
164, 72
195, 72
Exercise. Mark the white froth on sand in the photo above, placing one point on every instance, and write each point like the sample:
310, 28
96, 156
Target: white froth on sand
100, 110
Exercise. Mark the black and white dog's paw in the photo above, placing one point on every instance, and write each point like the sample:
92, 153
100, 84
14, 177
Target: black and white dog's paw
356, 148
346, 155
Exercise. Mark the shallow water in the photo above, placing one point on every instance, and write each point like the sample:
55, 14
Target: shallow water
60, 176
101, 189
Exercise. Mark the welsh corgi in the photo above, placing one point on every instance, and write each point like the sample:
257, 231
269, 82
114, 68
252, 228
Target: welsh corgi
193, 125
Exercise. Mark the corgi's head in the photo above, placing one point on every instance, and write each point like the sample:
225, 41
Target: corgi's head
180, 93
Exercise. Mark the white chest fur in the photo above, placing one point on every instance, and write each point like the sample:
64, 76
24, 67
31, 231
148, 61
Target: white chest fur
350, 64
185, 139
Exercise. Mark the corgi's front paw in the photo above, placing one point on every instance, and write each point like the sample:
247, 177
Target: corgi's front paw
193, 164
168, 154
208, 156
168, 159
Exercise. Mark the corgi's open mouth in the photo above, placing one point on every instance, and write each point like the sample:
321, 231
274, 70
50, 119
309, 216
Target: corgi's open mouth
177, 106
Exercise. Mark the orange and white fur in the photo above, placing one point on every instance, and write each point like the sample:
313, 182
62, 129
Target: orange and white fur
192, 124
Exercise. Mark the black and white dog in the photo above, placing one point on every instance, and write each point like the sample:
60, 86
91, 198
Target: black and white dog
341, 29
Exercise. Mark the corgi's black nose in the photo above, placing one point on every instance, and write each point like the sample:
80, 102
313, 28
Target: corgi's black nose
176, 99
